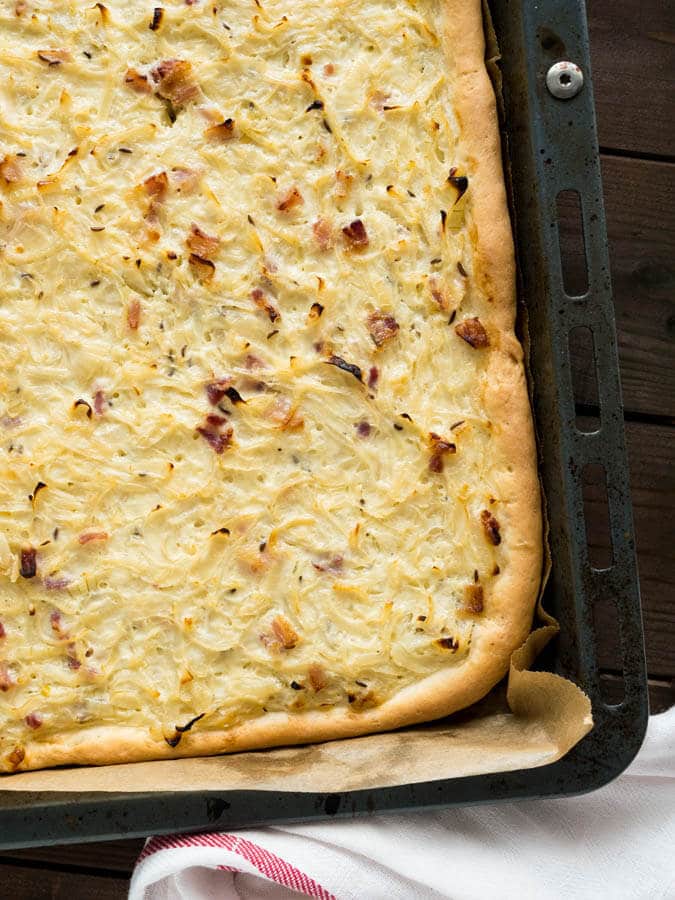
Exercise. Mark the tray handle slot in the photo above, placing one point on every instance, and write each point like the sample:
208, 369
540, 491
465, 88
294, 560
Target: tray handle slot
571, 243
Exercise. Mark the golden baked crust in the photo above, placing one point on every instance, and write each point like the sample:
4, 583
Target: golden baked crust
237, 508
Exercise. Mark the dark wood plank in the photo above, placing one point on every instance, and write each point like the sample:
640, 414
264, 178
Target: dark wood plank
115, 857
24, 883
633, 62
640, 209
651, 452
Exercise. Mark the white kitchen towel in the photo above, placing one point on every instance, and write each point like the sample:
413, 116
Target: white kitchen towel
618, 843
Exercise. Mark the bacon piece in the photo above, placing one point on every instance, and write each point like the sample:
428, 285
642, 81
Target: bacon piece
344, 183
88, 537
71, 657
329, 69
99, 402
323, 234
53, 57
284, 414
204, 269
137, 82
261, 301
202, 244
473, 598
186, 179
440, 448
7, 680
334, 565
222, 132
253, 362
134, 314
438, 293
3, 632
317, 677
382, 327
290, 200
284, 632
16, 757
27, 559
156, 186
373, 377
10, 169
363, 429
57, 623
56, 584
491, 527
34, 720
355, 235
217, 437
216, 390
175, 81
473, 332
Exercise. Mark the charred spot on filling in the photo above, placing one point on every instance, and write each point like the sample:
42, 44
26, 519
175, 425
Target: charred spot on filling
355, 235
439, 448
459, 182
87, 406
491, 527
448, 643
473, 332
157, 16
382, 327
340, 363
224, 131
473, 598
296, 686
28, 562
290, 200
262, 302
315, 312
180, 730
53, 57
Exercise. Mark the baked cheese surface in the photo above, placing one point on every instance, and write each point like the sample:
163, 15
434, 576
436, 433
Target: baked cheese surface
266, 462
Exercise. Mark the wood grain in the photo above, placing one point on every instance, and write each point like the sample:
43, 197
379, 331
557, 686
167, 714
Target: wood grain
633, 60
640, 211
116, 857
651, 454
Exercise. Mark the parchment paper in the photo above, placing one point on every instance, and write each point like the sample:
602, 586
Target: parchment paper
531, 721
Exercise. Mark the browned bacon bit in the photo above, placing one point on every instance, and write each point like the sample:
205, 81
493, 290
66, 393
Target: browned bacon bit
157, 15
491, 527
56, 623
156, 186
340, 363
344, 183
459, 182
373, 377
71, 657
215, 435
56, 584
53, 57
440, 448
216, 390
10, 169
317, 677
134, 314
290, 200
438, 294
86, 405
355, 235
6, 678
174, 81
34, 720
284, 633
315, 312
16, 757
137, 82
202, 244
20, 7
261, 301
381, 327
27, 560
334, 565
323, 233
329, 69
88, 537
99, 403
363, 429
473, 332
204, 269
186, 179
223, 131
448, 643
3, 632
473, 598
285, 414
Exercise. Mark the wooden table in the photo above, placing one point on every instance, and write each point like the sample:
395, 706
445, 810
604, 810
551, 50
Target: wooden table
634, 75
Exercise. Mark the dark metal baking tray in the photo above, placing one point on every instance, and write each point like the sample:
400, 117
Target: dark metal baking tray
551, 146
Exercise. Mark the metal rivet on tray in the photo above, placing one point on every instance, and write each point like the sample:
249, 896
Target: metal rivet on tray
564, 80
